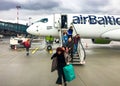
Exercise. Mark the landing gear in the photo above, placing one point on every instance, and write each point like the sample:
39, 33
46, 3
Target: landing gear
27, 54
49, 49
12, 46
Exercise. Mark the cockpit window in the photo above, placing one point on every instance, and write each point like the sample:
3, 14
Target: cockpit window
44, 20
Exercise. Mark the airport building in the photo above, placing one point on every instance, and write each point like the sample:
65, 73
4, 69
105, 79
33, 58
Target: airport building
12, 29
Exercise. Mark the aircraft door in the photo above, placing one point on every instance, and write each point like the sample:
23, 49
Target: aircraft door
64, 22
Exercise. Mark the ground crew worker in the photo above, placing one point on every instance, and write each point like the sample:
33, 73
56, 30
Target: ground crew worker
49, 39
27, 45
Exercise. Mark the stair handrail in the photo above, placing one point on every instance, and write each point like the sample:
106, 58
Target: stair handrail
79, 41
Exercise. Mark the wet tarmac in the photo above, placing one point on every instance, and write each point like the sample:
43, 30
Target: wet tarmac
102, 67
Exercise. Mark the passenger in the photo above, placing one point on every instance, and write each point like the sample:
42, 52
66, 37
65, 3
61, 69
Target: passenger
27, 45
65, 38
66, 54
70, 46
76, 40
60, 64
70, 32
65, 49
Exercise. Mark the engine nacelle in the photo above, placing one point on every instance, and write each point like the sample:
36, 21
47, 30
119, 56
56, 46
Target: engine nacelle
101, 41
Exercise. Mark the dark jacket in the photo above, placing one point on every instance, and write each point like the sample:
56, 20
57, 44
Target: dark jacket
76, 40
70, 44
60, 60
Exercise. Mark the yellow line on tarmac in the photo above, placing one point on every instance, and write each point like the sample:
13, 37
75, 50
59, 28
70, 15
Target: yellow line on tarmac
35, 50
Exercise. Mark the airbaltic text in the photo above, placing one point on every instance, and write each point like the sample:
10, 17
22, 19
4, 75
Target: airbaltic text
92, 20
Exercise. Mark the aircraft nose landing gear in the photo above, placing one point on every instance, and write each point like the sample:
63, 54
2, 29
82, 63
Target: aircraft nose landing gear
49, 49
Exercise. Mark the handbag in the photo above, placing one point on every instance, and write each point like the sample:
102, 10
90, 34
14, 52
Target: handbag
69, 72
54, 64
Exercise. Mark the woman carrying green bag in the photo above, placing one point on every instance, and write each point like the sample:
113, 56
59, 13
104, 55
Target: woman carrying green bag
61, 63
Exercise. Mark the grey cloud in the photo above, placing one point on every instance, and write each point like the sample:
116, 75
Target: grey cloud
7, 5
94, 6
30, 5
35, 7
96, 3
40, 5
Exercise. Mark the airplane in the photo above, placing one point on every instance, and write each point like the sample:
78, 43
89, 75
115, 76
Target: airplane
101, 29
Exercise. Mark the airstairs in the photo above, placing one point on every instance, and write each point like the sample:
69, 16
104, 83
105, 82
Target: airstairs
78, 58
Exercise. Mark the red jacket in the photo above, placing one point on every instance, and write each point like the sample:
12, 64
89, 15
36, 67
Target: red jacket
27, 44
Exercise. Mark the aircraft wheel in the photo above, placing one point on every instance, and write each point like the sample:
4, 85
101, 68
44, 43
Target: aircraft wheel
49, 47
12, 46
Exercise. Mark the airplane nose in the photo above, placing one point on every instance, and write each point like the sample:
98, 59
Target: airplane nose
32, 30
29, 30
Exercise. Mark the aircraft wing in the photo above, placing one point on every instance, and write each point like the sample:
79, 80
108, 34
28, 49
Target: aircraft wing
112, 34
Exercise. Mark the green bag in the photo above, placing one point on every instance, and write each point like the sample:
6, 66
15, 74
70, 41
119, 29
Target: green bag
69, 72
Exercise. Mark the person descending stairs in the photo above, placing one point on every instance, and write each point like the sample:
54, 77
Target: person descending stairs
73, 43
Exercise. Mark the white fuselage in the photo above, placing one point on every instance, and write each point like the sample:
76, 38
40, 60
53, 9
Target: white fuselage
87, 25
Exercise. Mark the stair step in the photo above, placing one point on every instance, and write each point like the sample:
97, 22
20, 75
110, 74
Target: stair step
76, 57
76, 63
64, 29
76, 60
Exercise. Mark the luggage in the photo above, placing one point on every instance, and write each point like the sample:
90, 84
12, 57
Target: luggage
69, 72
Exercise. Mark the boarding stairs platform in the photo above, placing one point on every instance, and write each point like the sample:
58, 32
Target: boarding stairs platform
79, 57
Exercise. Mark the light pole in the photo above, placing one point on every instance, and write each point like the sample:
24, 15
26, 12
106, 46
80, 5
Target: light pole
30, 21
18, 7
17, 29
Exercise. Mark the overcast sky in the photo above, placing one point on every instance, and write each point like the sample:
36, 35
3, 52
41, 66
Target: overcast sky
35, 8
